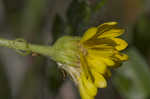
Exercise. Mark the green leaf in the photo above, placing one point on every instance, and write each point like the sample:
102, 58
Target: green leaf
132, 80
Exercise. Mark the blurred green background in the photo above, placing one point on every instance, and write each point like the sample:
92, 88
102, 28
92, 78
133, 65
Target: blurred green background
44, 21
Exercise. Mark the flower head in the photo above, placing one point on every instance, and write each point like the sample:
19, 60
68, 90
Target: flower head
95, 54
99, 51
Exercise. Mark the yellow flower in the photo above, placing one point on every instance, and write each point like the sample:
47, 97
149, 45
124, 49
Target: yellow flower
99, 51
89, 59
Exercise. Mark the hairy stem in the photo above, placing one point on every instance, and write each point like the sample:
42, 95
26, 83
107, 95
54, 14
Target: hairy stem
20, 44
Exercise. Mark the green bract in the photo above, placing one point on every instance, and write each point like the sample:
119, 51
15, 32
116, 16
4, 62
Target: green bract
66, 50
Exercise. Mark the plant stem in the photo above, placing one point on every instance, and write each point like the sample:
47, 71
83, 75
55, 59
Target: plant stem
20, 44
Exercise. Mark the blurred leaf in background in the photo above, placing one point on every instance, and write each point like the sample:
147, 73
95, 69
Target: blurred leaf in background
5, 90
58, 27
133, 79
77, 15
55, 78
141, 34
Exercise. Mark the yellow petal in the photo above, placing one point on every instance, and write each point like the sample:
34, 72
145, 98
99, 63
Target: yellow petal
96, 64
89, 86
101, 58
103, 41
121, 44
100, 46
101, 52
89, 34
107, 61
105, 27
121, 56
112, 33
99, 80
107, 24
83, 91
84, 64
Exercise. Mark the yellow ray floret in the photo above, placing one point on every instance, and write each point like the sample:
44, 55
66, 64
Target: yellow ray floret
99, 50
99, 80
89, 34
